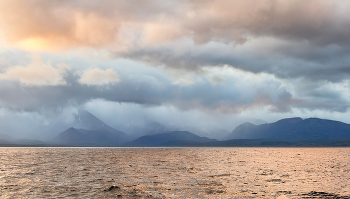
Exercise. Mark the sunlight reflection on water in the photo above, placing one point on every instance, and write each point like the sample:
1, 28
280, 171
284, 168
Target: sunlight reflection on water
174, 172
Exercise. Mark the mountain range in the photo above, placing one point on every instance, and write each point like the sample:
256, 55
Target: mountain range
89, 131
294, 129
168, 139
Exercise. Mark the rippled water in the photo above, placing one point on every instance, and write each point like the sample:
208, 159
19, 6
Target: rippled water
174, 172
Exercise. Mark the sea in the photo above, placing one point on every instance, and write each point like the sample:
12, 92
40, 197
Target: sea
174, 172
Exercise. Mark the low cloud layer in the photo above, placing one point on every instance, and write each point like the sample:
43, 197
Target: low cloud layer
222, 90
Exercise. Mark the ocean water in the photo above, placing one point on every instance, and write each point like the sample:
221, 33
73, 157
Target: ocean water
174, 172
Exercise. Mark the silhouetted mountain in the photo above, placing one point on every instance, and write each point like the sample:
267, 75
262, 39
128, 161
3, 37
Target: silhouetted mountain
153, 128
6, 140
163, 139
256, 143
294, 129
82, 137
150, 128
86, 120
228, 143
290, 132
88, 130
243, 131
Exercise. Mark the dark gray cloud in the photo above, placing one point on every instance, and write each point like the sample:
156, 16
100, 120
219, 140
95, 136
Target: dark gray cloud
238, 91
286, 38
285, 61
215, 57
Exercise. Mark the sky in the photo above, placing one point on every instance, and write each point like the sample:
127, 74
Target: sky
209, 64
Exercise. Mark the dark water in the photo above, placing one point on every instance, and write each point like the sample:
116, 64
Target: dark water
175, 172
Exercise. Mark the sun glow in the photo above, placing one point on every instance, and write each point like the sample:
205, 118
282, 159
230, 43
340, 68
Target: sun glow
37, 44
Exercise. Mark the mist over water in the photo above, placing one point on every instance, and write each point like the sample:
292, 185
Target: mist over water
174, 172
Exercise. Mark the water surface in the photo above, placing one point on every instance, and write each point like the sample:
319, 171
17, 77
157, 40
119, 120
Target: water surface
174, 172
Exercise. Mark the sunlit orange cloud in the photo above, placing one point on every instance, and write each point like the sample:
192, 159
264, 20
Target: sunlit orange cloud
36, 73
54, 25
41, 25
88, 30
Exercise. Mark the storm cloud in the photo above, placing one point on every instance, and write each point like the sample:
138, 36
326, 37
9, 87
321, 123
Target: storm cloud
277, 37
212, 57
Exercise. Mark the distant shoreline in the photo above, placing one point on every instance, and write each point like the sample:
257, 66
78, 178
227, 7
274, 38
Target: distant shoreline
54, 146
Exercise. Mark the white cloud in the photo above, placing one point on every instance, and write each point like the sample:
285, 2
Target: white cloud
36, 73
99, 77
184, 81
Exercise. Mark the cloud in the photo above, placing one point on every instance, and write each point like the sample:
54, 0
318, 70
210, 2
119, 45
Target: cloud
231, 91
185, 80
226, 56
57, 24
223, 96
36, 73
99, 77
220, 20
289, 39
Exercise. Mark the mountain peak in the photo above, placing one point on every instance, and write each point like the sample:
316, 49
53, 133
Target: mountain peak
290, 120
88, 130
242, 131
246, 124
85, 120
